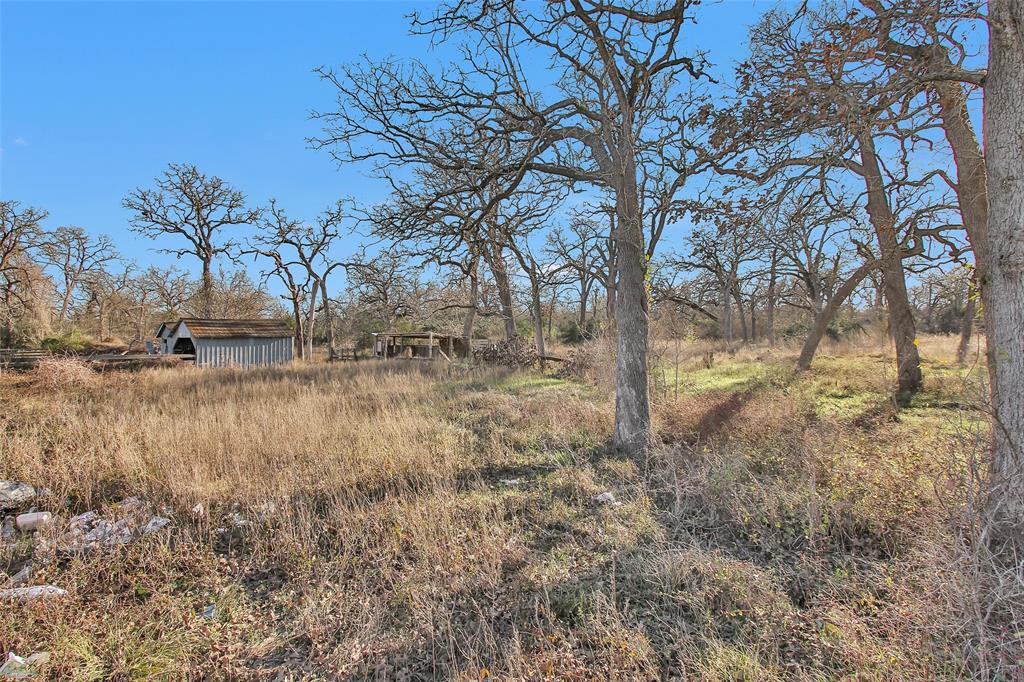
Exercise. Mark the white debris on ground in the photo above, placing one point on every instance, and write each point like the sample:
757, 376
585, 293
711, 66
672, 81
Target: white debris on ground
235, 520
129, 520
33, 521
155, 524
120, 524
15, 494
17, 668
607, 497
31, 594
22, 576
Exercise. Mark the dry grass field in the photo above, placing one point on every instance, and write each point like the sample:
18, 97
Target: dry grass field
404, 522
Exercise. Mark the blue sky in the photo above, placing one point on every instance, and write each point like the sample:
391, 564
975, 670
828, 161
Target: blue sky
96, 98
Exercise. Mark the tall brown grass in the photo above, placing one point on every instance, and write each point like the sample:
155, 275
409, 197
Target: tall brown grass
412, 521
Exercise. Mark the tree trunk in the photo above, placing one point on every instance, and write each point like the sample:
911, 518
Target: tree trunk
537, 313
584, 299
612, 277
300, 337
474, 294
901, 315
496, 262
101, 310
65, 303
632, 401
310, 325
8, 331
1004, 155
967, 324
726, 313
740, 312
206, 291
609, 306
972, 196
551, 311
328, 319
769, 315
827, 313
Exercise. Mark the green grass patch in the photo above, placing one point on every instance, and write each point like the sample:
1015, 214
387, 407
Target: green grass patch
724, 376
529, 384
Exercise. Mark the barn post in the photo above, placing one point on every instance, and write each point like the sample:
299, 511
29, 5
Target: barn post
430, 346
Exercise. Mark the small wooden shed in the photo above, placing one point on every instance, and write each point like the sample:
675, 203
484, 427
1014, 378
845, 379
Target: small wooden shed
163, 335
420, 345
228, 343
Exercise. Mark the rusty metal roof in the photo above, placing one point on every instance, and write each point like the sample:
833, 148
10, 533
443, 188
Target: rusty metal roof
202, 328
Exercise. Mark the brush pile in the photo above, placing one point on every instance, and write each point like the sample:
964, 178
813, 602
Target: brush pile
578, 365
63, 372
514, 352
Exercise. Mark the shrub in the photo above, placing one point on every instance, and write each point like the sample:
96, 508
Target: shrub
844, 327
574, 332
795, 330
71, 342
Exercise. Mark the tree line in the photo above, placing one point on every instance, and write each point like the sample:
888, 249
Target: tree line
839, 168
844, 150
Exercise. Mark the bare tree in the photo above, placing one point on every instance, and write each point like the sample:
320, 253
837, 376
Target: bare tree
297, 288
493, 251
617, 65
436, 219
300, 255
172, 288
107, 297
671, 284
922, 43
814, 109
76, 256
196, 208
386, 284
514, 220
579, 249
821, 247
731, 251
19, 231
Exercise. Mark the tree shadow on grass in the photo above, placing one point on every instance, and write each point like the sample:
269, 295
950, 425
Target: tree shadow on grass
708, 420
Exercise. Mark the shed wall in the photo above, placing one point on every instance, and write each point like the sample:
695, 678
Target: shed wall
242, 352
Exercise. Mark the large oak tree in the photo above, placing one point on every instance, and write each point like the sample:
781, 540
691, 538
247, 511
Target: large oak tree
607, 104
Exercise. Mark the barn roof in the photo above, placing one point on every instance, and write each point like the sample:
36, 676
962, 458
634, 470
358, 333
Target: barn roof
203, 328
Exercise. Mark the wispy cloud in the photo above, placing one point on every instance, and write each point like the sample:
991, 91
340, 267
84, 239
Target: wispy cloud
21, 141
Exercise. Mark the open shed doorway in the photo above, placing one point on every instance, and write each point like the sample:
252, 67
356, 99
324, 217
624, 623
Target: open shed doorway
184, 346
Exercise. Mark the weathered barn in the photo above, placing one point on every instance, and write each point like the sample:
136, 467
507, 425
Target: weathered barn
224, 343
